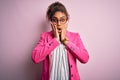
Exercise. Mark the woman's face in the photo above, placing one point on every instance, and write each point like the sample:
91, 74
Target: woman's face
60, 20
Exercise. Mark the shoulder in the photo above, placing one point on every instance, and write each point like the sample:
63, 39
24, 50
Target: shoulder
46, 33
70, 33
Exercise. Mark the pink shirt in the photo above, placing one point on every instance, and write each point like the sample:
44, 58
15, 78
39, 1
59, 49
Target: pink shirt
75, 50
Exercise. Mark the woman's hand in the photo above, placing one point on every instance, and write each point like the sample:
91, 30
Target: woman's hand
63, 34
55, 31
63, 37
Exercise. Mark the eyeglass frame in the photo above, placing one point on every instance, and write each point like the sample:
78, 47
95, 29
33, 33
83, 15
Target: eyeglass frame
66, 19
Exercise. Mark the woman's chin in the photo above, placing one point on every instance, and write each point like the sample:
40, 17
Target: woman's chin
59, 33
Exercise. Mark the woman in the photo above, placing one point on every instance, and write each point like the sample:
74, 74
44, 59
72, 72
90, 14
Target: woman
59, 48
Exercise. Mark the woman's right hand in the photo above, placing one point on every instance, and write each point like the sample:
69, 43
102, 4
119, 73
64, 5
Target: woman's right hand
55, 31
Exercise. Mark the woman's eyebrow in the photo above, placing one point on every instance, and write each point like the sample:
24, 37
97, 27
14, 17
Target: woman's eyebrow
60, 17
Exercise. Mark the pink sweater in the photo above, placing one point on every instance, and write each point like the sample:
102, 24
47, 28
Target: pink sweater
75, 50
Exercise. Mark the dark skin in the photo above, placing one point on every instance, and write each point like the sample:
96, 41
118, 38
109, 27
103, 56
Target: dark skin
60, 29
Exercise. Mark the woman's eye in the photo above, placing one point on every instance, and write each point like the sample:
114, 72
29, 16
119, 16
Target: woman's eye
62, 20
54, 20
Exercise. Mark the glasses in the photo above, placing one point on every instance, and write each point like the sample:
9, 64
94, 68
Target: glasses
62, 20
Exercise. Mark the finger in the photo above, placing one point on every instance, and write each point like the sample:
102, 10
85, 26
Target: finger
64, 32
65, 27
56, 30
62, 35
53, 27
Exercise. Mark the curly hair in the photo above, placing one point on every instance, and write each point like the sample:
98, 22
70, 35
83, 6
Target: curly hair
54, 7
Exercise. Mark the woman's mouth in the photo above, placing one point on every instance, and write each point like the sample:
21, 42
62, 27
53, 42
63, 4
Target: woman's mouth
59, 30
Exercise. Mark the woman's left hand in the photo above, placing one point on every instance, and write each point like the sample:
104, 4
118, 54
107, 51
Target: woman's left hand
63, 34
63, 37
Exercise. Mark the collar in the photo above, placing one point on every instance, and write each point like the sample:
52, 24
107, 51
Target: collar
67, 33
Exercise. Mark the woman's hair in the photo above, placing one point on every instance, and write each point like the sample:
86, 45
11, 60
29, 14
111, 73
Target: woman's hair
54, 7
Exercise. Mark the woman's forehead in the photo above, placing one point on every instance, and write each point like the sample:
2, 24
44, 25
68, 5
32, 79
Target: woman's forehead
59, 15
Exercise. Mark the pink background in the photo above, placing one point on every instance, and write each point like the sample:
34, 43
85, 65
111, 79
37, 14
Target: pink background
22, 21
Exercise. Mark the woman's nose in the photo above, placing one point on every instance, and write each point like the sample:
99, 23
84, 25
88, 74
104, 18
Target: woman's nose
58, 23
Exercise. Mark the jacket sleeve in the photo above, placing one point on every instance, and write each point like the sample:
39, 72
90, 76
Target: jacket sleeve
43, 48
78, 50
